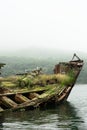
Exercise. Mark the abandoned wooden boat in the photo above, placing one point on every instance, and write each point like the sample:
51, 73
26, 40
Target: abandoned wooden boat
32, 91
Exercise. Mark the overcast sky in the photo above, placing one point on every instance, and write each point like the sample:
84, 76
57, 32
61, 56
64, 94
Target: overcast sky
43, 23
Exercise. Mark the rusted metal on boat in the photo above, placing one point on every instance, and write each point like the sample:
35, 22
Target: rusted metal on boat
53, 92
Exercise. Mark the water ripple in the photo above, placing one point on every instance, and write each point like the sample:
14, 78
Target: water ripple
71, 115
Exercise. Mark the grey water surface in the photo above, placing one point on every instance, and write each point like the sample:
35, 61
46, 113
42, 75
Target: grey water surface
71, 115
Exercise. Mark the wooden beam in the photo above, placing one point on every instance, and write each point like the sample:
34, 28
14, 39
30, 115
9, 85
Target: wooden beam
20, 98
1, 110
8, 102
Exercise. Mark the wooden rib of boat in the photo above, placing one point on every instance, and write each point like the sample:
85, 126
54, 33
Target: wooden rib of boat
43, 89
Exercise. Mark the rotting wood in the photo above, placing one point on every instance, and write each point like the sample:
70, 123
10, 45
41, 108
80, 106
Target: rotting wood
33, 95
8, 102
63, 94
44, 89
35, 90
1, 109
20, 98
37, 101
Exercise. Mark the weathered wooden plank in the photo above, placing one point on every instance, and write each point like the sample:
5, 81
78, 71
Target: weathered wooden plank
23, 92
64, 94
33, 95
1, 110
8, 102
35, 102
20, 98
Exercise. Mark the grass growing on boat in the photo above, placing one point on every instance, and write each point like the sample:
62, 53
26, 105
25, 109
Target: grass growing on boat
64, 79
40, 81
23, 82
8, 84
53, 91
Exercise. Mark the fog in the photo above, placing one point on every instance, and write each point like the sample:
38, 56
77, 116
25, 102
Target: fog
48, 24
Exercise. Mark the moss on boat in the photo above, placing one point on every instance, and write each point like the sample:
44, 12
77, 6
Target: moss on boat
28, 91
40, 81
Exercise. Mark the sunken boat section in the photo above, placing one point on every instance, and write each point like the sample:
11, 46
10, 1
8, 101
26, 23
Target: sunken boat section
32, 90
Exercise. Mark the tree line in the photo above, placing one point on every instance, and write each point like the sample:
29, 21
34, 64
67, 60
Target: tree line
15, 65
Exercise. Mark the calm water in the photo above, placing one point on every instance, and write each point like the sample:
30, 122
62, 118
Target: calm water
71, 115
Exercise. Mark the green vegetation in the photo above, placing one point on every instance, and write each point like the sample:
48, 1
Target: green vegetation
15, 65
29, 81
8, 84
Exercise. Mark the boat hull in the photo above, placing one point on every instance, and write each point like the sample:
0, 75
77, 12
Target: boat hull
34, 98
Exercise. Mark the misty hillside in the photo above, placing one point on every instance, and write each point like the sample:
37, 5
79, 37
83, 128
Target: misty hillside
47, 61
42, 53
38, 52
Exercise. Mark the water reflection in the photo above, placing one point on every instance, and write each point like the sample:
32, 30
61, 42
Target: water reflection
1, 121
62, 117
69, 118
